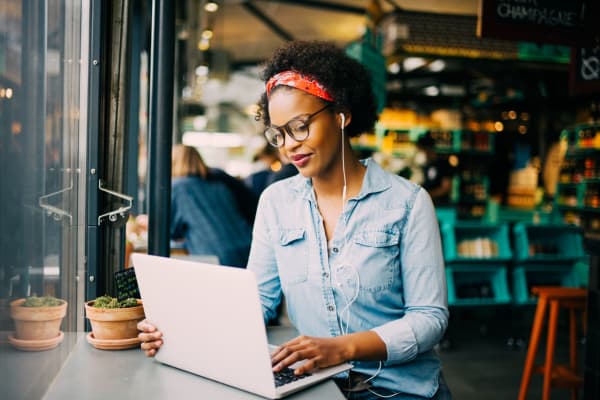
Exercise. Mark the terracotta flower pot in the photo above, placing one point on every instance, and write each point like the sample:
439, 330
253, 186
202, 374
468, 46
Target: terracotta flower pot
114, 323
37, 323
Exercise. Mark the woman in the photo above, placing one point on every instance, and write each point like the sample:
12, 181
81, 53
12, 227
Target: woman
210, 210
355, 250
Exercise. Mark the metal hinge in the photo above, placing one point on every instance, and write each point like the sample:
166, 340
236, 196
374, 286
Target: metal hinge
53, 211
121, 212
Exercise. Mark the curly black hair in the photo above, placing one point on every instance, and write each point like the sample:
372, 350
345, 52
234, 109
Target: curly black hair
348, 81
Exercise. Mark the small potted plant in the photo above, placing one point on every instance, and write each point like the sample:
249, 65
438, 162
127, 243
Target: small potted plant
114, 322
37, 322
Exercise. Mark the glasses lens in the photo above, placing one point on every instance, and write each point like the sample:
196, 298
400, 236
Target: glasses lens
298, 130
274, 136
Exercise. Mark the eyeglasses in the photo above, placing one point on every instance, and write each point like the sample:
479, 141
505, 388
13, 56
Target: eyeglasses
296, 128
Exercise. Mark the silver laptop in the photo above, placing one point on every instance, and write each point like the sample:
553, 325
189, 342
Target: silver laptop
212, 324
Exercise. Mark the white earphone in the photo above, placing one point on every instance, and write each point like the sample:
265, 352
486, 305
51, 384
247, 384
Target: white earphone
343, 117
352, 299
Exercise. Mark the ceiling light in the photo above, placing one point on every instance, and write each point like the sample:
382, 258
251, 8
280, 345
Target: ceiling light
213, 139
498, 126
183, 34
211, 6
9, 93
394, 68
207, 34
453, 161
412, 63
437, 66
202, 70
431, 91
452, 90
203, 44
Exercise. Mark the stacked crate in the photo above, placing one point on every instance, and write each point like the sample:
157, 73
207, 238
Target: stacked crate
545, 255
477, 258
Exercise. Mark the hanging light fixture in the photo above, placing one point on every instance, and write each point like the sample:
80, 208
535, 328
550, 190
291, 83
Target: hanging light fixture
211, 6
203, 45
207, 34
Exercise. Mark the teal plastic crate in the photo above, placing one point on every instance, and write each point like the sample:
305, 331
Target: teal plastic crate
527, 276
555, 243
514, 215
476, 242
476, 285
446, 215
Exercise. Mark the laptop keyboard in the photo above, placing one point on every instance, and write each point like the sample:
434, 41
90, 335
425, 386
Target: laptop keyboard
286, 375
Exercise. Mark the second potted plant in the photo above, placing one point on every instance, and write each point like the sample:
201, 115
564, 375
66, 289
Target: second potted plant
114, 322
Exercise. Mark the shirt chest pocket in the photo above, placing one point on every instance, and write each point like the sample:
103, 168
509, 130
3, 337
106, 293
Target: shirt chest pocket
377, 258
292, 256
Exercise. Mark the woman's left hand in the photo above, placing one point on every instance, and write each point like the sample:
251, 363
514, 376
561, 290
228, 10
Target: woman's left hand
317, 352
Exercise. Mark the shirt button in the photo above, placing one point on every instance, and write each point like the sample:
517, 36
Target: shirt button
335, 250
330, 308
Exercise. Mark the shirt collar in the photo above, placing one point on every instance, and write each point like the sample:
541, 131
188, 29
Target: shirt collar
376, 180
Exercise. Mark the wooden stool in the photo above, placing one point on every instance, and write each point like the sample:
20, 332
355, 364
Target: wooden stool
554, 375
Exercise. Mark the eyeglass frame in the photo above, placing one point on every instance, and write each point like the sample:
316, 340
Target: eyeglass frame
285, 128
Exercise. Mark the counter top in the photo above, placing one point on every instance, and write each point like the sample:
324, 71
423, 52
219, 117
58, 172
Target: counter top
94, 374
26, 375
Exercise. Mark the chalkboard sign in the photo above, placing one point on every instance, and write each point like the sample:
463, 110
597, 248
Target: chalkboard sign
568, 22
585, 70
127, 285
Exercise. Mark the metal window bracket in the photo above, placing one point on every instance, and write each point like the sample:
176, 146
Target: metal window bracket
122, 212
53, 211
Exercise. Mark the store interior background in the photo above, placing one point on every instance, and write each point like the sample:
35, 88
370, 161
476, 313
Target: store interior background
438, 76
508, 101
496, 107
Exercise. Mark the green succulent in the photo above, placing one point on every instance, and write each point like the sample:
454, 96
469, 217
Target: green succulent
44, 301
112, 302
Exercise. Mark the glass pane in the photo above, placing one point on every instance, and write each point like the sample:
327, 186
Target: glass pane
43, 96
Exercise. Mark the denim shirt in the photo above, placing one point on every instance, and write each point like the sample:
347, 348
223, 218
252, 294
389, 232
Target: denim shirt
383, 271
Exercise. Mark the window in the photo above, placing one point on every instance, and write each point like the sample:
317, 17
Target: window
43, 125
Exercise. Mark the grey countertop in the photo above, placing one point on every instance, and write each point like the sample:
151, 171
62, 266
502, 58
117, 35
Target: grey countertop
91, 374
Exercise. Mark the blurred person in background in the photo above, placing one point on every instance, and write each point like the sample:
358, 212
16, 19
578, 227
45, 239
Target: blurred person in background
270, 168
211, 211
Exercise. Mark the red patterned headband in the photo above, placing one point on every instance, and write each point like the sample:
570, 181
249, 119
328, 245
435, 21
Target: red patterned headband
298, 81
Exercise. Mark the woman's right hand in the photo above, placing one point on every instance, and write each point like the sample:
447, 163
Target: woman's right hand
150, 337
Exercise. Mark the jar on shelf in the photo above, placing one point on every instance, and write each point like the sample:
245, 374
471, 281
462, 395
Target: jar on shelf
590, 168
592, 196
571, 217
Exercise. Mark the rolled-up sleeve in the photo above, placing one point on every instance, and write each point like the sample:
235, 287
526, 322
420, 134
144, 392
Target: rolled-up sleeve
426, 314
